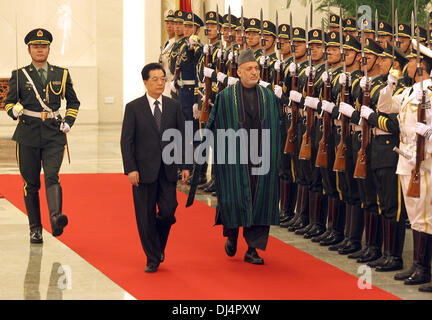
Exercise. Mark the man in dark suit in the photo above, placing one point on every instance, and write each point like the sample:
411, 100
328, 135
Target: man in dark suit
154, 181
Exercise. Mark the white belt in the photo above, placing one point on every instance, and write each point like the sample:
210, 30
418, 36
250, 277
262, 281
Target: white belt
41, 115
182, 83
379, 132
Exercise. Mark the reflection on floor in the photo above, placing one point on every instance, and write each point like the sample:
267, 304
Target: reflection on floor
44, 272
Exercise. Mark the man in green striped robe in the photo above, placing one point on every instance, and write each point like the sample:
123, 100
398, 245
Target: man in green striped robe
247, 180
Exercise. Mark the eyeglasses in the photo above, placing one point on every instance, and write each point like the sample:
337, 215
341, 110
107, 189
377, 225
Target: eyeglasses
156, 79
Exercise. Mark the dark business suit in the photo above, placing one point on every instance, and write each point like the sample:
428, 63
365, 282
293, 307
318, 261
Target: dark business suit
142, 146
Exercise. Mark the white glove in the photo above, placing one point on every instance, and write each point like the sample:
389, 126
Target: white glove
412, 161
172, 86
230, 56
366, 112
343, 79
363, 82
292, 69
277, 66
295, 96
419, 96
221, 77
308, 70
325, 76
196, 112
232, 81
263, 60
311, 102
346, 109
391, 80
208, 72
328, 106
278, 90
424, 130
264, 84
17, 110
15, 114
193, 40
206, 49
64, 127
219, 54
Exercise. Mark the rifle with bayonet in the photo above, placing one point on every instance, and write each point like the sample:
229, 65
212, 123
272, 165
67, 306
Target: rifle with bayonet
340, 159
414, 184
323, 148
290, 144
306, 146
206, 107
265, 72
280, 72
222, 60
361, 164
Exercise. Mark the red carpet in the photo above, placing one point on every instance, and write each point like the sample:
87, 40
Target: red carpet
103, 231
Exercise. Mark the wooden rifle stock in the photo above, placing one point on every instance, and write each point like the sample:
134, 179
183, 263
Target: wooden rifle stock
306, 146
414, 185
361, 164
340, 159
322, 156
206, 108
292, 130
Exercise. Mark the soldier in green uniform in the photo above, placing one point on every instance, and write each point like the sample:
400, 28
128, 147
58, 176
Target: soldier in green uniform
349, 27
253, 39
334, 23
385, 33
385, 138
367, 188
268, 56
34, 99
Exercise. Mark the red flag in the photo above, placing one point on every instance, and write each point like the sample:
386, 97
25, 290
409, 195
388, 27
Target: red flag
185, 5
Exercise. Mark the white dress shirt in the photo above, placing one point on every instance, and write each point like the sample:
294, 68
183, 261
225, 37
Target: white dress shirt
152, 102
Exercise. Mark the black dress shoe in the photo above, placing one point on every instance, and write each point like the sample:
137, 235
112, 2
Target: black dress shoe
350, 247
36, 236
252, 256
339, 245
333, 239
426, 288
420, 275
392, 263
405, 274
314, 232
231, 247
373, 253
162, 258
304, 230
377, 262
60, 222
151, 269
358, 254
321, 237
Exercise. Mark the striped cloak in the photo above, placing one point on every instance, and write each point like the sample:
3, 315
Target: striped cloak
235, 207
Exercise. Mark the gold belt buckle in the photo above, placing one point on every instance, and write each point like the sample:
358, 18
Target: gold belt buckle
44, 115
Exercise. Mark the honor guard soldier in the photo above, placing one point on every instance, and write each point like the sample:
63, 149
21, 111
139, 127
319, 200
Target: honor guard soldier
253, 39
34, 99
368, 194
369, 29
385, 139
174, 60
268, 56
385, 33
166, 50
349, 27
334, 23
404, 33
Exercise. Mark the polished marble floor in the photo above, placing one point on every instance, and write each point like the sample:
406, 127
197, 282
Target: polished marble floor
44, 272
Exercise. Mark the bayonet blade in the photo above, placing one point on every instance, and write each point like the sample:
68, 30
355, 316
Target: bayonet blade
311, 14
376, 25
397, 28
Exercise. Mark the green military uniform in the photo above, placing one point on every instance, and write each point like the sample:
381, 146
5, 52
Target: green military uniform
39, 139
254, 25
268, 29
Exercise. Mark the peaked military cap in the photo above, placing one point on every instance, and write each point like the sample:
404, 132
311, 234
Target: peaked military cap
269, 28
384, 29
398, 54
372, 47
170, 15
239, 24
334, 20
211, 17
349, 24
38, 36
404, 30
299, 34
367, 25
192, 18
234, 21
351, 43
333, 39
253, 25
425, 52
284, 31
315, 36
179, 16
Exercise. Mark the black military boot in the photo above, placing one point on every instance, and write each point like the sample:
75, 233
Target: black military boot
422, 273
336, 247
32, 204
303, 207
57, 218
394, 238
320, 216
294, 204
362, 252
311, 215
329, 214
406, 274
355, 231
374, 239
336, 236
285, 214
